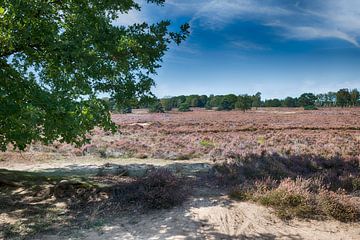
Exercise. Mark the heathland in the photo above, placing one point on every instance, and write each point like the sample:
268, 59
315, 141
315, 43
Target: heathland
274, 173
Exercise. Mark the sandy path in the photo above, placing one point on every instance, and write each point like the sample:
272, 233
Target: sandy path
217, 218
208, 215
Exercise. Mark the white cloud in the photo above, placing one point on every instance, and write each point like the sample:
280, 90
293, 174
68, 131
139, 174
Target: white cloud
245, 45
217, 13
130, 18
308, 33
302, 20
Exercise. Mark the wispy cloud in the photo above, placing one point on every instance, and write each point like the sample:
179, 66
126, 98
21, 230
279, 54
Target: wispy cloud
216, 14
301, 20
246, 45
310, 33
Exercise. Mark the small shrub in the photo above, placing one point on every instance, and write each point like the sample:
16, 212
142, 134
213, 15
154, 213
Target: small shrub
162, 189
156, 107
184, 107
125, 110
207, 143
261, 140
356, 184
290, 199
339, 206
239, 194
310, 107
208, 106
287, 205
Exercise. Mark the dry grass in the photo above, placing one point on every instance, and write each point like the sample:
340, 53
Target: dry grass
218, 135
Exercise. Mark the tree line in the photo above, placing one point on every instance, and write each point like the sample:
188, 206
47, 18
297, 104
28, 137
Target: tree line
342, 98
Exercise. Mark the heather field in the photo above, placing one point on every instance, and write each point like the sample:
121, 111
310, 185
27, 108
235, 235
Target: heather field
270, 173
216, 135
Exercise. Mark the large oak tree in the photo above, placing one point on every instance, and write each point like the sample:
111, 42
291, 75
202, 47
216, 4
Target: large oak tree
58, 56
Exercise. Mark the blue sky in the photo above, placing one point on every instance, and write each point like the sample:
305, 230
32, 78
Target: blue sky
278, 47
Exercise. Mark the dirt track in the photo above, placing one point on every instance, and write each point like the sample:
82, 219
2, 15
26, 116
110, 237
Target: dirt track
216, 217
208, 214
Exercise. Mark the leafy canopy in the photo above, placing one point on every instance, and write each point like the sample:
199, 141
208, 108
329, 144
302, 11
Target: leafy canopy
57, 57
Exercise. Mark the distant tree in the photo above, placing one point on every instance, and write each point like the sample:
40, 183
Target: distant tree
184, 107
320, 99
290, 102
156, 107
307, 99
227, 102
272, 103
330, 99
194, 101
180, 99
355, 97
256, 100
203, 101
208, 106
214, 101
225, 105
167, 104
343, 98
244, 102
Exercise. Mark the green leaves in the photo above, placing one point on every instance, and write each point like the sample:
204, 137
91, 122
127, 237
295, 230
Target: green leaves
57, 57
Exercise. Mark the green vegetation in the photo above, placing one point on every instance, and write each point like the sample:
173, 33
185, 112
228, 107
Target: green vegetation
207, 143
309, 101
298, 186
310, 107
346, 98
244, 102
167, 104
57, 57
156, 107
184, 107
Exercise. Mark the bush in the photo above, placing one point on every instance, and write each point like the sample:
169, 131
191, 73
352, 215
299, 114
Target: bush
286, 204
125, 110
290, 199
162, 189
208, 106
156, 108
207, 143
310, 107
304, 198
158, 189
339, 206
184, 107
167, 104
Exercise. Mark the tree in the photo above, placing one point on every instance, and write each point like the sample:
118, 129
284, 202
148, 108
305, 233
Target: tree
330, 99
290, 102
244, 102
57, 57
227, 102
343, 98
156, 107
167, 103
307, 99
355, 97
256, 101
208, 106
272, 103
184, 107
